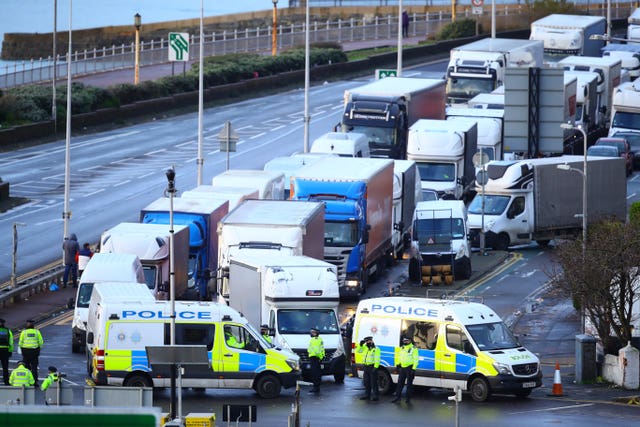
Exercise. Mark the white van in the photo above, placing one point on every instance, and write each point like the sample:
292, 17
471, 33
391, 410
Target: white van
459, 343
344, 144
102, 267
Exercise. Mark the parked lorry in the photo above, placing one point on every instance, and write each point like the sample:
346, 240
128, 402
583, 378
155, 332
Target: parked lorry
358, 199
489, 101
479, 66
490, 128
633, 29
121, 335
344, 144
625, 108
628, 54
270, 184
288, 165
235, 195
541, 199
407, 191
151, 244
440, 243
589, 112
608, 68
291, 294
384, 109
565, 35
443, 151
269, 226
102, 267
201, 216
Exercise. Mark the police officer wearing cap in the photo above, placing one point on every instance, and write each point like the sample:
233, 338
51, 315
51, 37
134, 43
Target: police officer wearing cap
6, 349
316, 354
30, 344
51, 378
407, 366
371, 365
21, 376
264, 331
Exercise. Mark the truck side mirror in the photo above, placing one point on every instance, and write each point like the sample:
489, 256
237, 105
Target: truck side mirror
90, 338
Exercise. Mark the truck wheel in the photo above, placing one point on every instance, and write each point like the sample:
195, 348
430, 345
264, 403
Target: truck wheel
463, 272
385, 384
501, 242
268, 386
479, 389
338, 378
414, 270
137, 380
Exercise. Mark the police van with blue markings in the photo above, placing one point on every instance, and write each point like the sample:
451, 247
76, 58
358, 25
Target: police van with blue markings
119, 332
459, 343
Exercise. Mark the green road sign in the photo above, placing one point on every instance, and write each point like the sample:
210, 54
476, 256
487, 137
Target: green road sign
178, 46
381, 74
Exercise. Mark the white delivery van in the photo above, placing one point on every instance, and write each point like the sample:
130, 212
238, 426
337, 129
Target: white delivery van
102, 267
344, 144
459, 343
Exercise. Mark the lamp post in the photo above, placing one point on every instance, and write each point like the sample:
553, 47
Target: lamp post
54, 110
400, 30
583, 172
274, 32
137, 21
200, 159
171, 190
66, 213
307, 117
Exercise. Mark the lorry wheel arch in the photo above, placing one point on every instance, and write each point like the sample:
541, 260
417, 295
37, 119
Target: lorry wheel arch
385, 383
138, 379
479, 388
267, 385
501, 242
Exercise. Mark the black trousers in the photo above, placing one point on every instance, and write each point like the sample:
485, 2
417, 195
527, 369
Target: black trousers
370, 378
406, 375
30, 359
314, 372
4, 359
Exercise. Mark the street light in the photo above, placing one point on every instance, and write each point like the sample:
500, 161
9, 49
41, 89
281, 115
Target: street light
400, 31
137, 21
171, 191
274, 35
307, 72
66, 213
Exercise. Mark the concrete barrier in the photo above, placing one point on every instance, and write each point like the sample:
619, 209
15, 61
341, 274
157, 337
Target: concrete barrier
17, 395
118, 396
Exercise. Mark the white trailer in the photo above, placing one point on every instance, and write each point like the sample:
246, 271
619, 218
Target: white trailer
490, 127
407, 191
628, 54
344, 144
565, 35
588, 112
625, 108
270, 184
633, 29
234, 195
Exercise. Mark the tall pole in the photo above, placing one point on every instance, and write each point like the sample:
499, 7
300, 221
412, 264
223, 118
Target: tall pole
608, 21
201, 96
493, 19
400, 28
274, 31
306, 78
171, 189
584, 219
66, 214
54, 109
137, 23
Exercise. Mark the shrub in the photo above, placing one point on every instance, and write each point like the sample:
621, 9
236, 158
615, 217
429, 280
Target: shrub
458, 29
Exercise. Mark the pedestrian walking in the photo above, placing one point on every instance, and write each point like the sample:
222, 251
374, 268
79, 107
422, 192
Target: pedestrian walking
6, 349
21, 376
264, 331
84, 255
405, 24
70, 249
51, 378
316, 354
407, 366
371, 365
30, 343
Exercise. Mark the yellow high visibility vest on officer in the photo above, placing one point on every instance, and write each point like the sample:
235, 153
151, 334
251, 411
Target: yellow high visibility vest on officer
409, 356
21, 376
30, 338
316, 348
371, 355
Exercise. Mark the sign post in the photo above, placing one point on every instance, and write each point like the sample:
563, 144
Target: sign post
480, 160
382, 73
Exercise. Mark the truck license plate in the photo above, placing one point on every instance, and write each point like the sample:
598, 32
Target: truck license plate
530, 384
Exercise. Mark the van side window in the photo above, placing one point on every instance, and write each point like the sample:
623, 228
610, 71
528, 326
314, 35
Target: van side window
191, 334
235, 336
516, 208
423, 334
458, 340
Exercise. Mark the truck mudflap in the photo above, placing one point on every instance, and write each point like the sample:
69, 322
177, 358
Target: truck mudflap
289, 379
507, 384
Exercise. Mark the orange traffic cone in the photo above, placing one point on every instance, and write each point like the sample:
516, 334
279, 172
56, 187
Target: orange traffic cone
556, 391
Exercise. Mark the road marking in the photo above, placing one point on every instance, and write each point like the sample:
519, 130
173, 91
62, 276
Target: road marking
95, 192
515, 257
559, 408
118, 184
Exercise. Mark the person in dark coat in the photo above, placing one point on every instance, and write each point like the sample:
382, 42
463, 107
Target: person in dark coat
70, 249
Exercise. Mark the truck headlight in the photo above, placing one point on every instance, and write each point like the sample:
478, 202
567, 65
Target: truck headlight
352, 283
293, 364
502, 368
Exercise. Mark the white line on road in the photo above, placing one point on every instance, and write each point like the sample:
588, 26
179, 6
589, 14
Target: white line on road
94, 193
258, 135
559, 408
122, 183
151, 153
631, 196
146, 175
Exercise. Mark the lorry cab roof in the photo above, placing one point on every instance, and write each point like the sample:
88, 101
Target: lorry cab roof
185, 205
147, 241
351, 169
121, 292
440, 209
262, 212
111, 266
567, 21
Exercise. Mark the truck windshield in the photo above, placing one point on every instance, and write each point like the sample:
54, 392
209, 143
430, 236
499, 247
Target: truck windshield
438, 172
460, 89
626, 120
492, 336
437, 230
344, 234
298, 321
150, 276
493, 205
377, 135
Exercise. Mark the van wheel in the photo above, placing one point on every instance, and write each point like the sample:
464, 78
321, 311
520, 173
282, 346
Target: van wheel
339, 378
479, 389
501, 242
137, 380
385, 384
268, 386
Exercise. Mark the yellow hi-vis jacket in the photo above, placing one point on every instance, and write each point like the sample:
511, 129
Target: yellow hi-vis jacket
316, 348
371, 355
409, 356
30, 338
21, 376
51, 378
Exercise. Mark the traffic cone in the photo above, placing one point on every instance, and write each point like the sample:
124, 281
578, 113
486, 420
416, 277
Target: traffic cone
556, 391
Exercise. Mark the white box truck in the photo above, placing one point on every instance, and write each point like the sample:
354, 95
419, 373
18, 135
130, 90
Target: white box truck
235, 195
151, 244
102, 267
270, 185
443, 151
288, 165
565, 35
291, 294
535, 200
490, 128
625, 108
407, 191
633, 29
479, 66
344, 144
629, 54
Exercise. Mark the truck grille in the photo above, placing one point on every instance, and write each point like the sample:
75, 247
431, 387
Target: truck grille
526, 369
304, 355
340, 261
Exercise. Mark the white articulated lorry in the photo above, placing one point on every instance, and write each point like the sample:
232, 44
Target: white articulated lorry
565, 35
443, 151
291, 294
479, 67
270, 184
234, 195
536, 200
288, 165
344, 144
629, 54
625, 108
633, 29
490, 127
589, 113
407, 191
